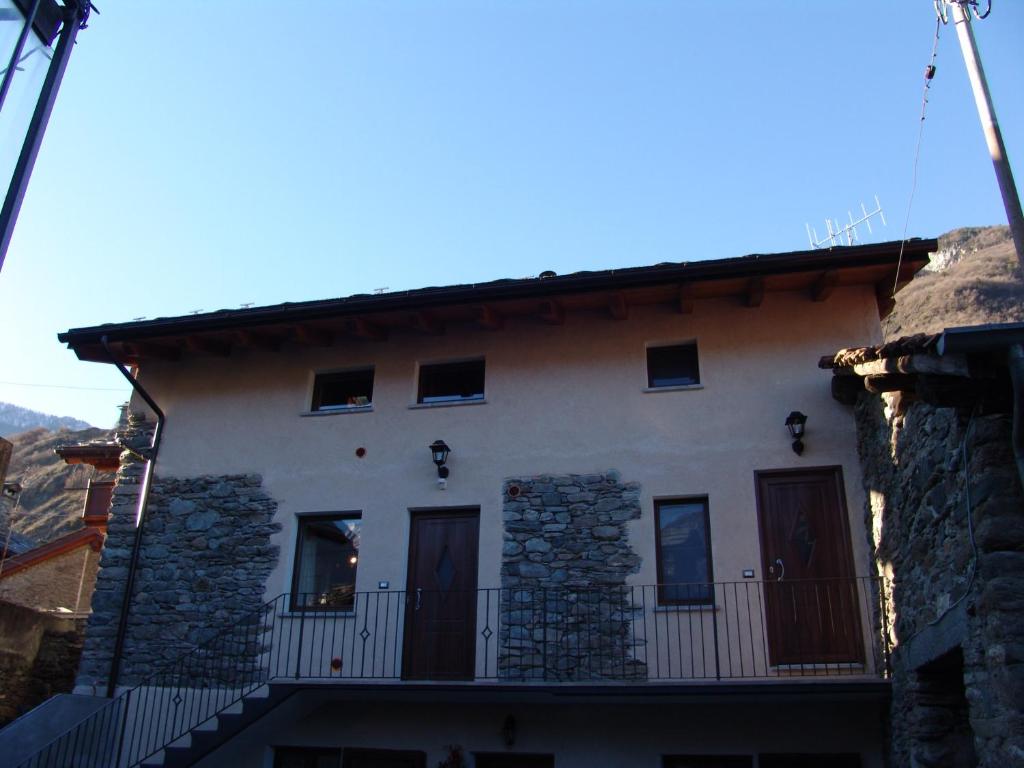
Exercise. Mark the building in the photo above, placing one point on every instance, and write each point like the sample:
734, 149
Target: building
940, 420
573, 520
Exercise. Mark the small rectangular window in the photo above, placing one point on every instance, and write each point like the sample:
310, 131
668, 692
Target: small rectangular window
672, 366
451, 382
326, 557
306, 757
683, 552
343, 389
707, 761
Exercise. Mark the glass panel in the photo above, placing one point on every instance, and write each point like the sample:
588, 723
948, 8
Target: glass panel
445, 571
452, 382
673, 366
25, 87
345, 389
685, 570
328, 556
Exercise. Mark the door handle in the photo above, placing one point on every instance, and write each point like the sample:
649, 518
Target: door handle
419, 599
782, 568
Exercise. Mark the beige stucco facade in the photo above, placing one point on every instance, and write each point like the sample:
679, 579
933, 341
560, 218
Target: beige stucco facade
566, 398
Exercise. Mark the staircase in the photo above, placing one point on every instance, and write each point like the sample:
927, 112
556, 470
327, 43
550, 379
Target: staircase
188, 708
204, 739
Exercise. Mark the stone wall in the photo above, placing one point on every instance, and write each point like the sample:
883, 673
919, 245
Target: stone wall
64, 581
957, 607
39, 654
205, 559
566, 613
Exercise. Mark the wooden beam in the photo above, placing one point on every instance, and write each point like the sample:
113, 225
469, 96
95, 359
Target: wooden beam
890, 382
489, 318
365, 330
426, 322
149, 349
824, 285
316, 337
754, 294
947, 365
617, 306
686, 292
260, 340
208, 346
552, 312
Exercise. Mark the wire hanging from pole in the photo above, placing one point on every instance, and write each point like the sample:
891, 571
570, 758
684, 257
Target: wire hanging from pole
929, 73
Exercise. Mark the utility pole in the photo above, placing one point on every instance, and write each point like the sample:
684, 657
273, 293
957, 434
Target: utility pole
987, 114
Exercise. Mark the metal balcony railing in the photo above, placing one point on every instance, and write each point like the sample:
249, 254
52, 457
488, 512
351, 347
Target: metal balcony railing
614, 635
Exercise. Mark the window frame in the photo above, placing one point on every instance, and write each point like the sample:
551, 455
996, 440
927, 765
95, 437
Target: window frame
452, 400
651, 386
663, 599
293, 596
320, 376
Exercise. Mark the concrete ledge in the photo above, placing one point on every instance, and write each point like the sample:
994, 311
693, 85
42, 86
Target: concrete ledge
937, 639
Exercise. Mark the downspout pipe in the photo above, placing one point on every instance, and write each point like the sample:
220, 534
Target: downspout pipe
140, 519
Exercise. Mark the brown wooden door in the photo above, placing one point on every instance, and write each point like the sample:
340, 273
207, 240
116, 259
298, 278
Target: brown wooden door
440, 609
811, 596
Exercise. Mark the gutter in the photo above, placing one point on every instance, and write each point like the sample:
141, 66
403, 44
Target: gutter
140, 518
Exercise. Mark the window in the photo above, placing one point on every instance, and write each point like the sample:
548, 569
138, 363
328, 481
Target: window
451, 382
325, 563
684, 552
383, 758
343, 390
672, 366
304, 757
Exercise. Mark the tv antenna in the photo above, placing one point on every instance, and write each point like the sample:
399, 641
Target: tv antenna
837, 233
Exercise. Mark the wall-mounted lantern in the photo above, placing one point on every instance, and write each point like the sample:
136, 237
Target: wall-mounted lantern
795, 424
439, 451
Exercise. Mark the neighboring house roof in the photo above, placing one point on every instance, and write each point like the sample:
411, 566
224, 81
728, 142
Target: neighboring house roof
90, 537
955, 367
103, 455
884, 266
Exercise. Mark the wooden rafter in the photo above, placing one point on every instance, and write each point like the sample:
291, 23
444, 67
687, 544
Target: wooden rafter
552, 312
754, 294
488, 317
824, 285
208, 346
618, 308
364, 329
426, 322
686, 293
316, 337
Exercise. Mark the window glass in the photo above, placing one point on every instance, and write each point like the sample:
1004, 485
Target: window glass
344, 389
326, 561
672, 366
451, 382
684, 553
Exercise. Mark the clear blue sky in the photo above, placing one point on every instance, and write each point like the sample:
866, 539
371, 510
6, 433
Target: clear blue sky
206, 154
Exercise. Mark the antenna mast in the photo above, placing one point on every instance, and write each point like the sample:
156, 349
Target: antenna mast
848, 232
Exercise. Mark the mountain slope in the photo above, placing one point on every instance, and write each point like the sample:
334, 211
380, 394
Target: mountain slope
51, 502
974, 278
15, 419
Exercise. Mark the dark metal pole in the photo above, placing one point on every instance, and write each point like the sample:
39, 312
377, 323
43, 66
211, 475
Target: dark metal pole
76, 13
140, 520
12, 67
